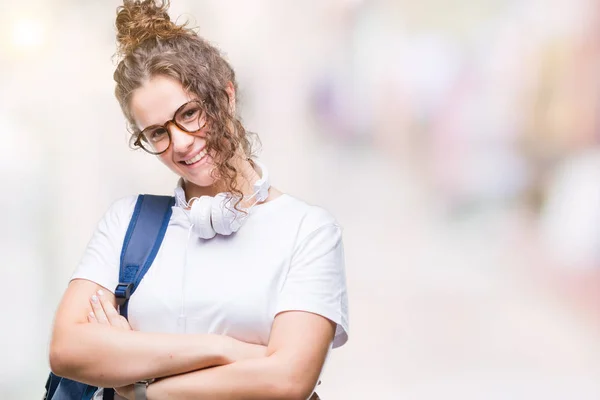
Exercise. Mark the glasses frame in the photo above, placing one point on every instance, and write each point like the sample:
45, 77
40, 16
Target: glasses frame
165, 126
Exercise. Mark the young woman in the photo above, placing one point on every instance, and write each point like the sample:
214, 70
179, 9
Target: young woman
242, 307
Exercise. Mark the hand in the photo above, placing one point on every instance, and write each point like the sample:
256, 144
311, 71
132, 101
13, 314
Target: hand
105, 313
127, 392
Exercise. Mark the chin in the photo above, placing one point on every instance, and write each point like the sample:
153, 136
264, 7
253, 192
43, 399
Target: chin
204, 183
200, 178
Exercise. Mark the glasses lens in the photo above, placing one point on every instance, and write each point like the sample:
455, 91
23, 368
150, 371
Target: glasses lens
191, 117
155, 139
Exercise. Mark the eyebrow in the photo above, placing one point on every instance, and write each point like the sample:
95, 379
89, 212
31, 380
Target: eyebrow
166, 120
174, 112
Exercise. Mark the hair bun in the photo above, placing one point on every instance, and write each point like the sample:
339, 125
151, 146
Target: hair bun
140, 20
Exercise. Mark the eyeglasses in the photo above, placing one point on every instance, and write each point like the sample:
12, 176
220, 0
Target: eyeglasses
156, 139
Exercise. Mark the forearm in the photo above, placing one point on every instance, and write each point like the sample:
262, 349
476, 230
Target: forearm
108, 357
261, 379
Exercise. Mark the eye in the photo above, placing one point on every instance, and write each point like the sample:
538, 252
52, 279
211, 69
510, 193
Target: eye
190, 114
155, 135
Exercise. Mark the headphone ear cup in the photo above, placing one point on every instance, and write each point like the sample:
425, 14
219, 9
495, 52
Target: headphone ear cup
200, 215
225, 218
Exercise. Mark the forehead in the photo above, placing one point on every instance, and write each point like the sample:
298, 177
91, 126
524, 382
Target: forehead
157, 100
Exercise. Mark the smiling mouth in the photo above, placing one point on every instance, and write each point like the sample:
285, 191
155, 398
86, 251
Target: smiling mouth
195, 159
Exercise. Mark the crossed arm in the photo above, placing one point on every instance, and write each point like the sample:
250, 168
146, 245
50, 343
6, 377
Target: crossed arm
103, 351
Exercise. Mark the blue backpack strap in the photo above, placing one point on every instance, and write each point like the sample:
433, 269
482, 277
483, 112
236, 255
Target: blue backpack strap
144, 236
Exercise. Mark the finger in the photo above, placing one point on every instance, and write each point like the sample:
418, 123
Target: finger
92, 318
111, 313
98, 310
125, 323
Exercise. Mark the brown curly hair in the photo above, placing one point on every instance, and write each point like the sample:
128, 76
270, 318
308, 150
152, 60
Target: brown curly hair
150, 44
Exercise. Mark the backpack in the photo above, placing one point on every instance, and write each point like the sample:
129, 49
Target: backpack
144, 236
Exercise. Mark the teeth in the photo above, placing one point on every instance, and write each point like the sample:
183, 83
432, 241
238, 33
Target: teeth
196, 159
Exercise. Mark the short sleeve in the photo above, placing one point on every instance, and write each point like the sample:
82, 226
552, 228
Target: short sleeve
101, 259
316, 280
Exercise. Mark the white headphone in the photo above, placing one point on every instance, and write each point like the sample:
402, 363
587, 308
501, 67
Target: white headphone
211, 215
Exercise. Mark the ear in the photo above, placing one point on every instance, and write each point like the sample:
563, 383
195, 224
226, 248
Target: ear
230, 89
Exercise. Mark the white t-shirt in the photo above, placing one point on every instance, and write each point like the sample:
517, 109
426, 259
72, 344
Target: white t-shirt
288, 255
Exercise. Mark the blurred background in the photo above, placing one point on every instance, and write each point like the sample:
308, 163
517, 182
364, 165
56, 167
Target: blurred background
457, 142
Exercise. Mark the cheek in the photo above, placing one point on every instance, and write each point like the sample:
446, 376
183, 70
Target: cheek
166, 159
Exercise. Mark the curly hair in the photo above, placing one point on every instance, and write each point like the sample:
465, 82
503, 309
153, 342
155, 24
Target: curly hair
150, 44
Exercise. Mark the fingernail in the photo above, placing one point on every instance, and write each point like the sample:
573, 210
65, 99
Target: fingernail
94, 299
100, 292
92, 314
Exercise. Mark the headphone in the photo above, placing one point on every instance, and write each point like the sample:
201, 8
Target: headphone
216, 215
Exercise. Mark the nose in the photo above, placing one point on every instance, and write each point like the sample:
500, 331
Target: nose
181, 141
